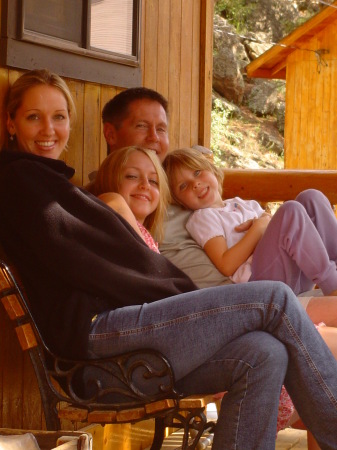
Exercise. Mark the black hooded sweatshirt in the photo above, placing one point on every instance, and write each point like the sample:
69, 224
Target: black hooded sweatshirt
76, 256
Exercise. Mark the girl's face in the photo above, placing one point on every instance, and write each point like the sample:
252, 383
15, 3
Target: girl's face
139, 185
196, 189
41, 124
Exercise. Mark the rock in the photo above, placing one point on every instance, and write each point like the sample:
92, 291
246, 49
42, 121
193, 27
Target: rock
271, 142
280, 110
272, 17
256, 44
263, 98
228, 60
233, 110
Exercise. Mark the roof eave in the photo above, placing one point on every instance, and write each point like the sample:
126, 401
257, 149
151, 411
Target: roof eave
268, 62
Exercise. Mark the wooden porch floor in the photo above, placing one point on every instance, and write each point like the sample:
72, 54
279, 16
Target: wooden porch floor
286, 439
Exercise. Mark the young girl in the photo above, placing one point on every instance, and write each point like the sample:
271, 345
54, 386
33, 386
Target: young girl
132, 181
297, 245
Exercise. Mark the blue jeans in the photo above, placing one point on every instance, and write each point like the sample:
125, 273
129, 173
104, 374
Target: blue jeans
247, 339
299, 246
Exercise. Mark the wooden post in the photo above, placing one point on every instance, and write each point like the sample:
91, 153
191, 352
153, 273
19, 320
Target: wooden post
206, 71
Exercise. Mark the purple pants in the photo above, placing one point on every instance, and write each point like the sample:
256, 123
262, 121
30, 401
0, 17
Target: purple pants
299, 246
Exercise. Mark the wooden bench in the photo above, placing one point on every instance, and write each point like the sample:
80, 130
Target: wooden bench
141, 383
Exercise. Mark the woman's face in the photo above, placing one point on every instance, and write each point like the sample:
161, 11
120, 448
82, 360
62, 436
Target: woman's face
41, 124
139, 185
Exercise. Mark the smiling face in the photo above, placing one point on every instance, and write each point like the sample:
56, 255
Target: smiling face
145, 126
196, 189
41, 123
139, 185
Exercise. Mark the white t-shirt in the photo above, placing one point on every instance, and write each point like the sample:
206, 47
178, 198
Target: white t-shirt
207, 223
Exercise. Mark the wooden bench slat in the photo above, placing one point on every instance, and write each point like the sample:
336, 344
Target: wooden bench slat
13, 307
73, 414
160, 405
102, 417
26, 336
129, 415
195, 401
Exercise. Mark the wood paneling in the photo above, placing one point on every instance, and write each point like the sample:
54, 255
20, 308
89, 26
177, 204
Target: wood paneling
73, 156
92, 129
311, 107
178, 63
163, 48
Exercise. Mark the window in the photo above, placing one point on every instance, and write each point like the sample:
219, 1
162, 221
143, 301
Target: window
94, 40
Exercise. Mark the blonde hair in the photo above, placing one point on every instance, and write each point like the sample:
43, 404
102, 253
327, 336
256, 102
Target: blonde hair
109, 178
31, 79
191, 159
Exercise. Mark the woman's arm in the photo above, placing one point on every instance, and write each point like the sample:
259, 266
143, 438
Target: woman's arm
118, 204
228, 260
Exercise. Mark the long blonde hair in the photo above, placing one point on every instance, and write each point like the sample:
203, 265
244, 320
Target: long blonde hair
109, 177
191, 159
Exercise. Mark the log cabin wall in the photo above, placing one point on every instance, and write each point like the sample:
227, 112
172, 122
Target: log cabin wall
311, 104
176, 60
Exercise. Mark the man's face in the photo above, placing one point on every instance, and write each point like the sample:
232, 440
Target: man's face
145, 126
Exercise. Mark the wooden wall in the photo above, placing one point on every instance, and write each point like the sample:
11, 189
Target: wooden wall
176, 60
311, 104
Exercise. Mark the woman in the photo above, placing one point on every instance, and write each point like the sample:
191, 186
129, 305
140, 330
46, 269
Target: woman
108, 292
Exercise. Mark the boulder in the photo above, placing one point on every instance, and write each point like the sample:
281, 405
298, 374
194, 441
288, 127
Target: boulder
228, 60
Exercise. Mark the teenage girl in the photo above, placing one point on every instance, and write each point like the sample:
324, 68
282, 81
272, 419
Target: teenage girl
132, 181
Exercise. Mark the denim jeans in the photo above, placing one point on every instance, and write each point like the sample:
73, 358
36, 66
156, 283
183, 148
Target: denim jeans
247, 339
299, 246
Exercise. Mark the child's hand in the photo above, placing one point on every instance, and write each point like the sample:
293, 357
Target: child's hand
244, 226
261, 222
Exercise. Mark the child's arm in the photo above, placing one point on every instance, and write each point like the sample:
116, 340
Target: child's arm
118, 204
228, 260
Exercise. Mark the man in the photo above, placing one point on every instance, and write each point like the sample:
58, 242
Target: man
139, 116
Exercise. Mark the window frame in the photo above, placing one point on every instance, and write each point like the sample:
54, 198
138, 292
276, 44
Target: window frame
24, 49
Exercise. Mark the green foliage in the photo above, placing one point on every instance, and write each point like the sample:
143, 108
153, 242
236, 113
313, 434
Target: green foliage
289, 26
235, 11
220, 132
